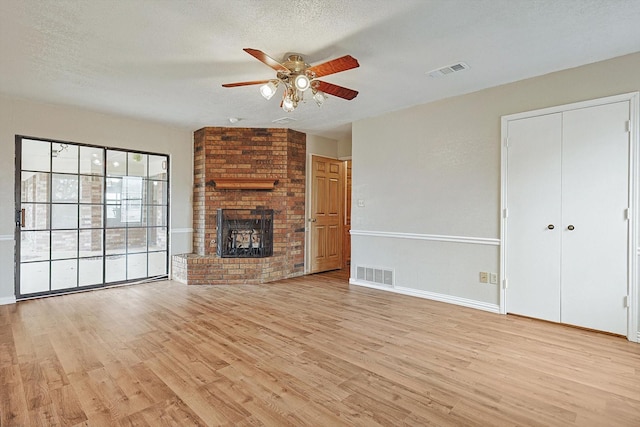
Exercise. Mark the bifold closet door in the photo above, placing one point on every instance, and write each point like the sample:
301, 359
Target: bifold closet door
534, 209
595, 196
567, 231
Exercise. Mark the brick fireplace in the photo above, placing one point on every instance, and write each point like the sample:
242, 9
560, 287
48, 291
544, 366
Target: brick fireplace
246, 168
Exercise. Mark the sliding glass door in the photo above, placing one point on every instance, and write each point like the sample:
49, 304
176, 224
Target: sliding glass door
88, 216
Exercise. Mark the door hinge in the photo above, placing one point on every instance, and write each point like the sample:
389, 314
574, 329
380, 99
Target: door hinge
505, 213
627, 214
505, 284
626, 301
506, 142
628, 126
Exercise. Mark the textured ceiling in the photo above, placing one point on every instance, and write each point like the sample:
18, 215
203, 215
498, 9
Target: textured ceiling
165, 60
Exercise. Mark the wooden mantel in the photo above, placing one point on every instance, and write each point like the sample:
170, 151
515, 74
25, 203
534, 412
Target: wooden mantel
245, 183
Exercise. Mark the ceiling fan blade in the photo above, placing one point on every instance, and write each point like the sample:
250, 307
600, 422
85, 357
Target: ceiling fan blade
335, 90
255, 82
344, 63
266, 59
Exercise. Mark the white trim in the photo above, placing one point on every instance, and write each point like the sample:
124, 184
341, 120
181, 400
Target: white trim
182, 230
430, 237
450, 299
8, 300
9, 237
633, 332
573, 106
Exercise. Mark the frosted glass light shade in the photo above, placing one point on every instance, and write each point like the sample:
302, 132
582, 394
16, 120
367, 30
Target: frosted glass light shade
268, 90
302, 82
319, 97
288, 105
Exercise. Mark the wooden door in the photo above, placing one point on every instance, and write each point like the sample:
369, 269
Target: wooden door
534, 216
595, 196
326, 214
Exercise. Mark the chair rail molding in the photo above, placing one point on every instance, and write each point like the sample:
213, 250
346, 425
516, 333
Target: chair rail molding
430, 237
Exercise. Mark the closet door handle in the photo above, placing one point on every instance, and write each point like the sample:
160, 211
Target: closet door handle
570, 227
551, 226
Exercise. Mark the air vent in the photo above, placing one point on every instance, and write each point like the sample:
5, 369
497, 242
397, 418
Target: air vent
284, 120
441, 72
379, 276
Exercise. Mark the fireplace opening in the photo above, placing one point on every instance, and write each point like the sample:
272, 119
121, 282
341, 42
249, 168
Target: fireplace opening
245, 233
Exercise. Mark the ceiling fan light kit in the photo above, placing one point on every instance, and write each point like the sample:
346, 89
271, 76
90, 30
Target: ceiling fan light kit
297, 77
302, 82
319, 97
269, 89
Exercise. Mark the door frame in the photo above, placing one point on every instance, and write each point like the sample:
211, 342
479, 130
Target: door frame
633, 251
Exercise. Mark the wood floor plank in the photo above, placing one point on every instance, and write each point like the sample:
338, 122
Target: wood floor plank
13, 404
305, 351
35, 386
44, 415
8, 354
67, 406
92, 403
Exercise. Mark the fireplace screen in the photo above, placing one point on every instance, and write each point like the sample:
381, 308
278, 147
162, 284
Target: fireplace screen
245, 233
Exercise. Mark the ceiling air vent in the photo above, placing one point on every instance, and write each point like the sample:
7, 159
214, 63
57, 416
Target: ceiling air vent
284, 120
441, 72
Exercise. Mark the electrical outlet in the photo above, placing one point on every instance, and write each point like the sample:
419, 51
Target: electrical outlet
493, 278
484, 277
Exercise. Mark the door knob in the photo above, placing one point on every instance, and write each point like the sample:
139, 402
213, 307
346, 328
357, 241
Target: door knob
312, 220
551, 226
571, 227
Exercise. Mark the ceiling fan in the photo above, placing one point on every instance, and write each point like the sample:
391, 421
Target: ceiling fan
296, 76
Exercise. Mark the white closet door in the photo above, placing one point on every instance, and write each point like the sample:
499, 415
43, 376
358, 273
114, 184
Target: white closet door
534, 214
595, 194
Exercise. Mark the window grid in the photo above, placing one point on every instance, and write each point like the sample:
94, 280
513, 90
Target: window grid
83, 236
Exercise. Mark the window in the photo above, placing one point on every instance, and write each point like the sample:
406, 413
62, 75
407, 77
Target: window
89, 216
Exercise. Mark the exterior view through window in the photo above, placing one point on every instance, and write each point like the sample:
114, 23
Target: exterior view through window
88, 216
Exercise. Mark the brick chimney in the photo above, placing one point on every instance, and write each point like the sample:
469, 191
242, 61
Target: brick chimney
250, 156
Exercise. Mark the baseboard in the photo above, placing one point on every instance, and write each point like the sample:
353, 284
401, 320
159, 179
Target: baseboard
7, 300
493, 308
638, 340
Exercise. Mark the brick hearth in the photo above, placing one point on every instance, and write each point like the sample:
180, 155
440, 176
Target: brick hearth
246, 153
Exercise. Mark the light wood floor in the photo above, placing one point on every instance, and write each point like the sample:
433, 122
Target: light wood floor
306, 351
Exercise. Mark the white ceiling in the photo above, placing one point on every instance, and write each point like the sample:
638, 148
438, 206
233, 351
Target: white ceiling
165, 60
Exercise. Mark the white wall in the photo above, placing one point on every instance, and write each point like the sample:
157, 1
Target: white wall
434, 171
344, 148
21, 117
322, 146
